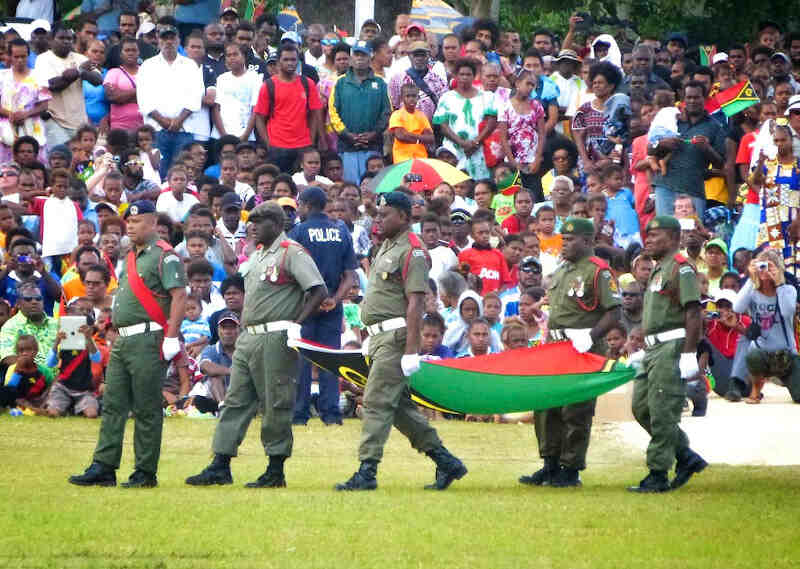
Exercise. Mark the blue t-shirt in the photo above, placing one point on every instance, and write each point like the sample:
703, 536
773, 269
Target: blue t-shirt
193, 330
8, 290
622, 213
95, 98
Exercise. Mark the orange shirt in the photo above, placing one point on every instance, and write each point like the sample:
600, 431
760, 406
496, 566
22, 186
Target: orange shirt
551, 244
415, 123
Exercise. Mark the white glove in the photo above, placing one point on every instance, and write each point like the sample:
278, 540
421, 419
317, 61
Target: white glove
365, 347
293, 332
581, 339
409, 363
170, 347
688, 365
636, 359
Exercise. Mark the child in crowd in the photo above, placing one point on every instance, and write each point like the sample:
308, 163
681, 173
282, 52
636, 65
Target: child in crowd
148, 153
479, 339
635, 341
197, 244
549, 241
175, 201
59, 221
604, 228
86, 233
411, 129
456, 335
530, 312
492, 306
76, 383
616, 338
664, 125
26, 381
194, 328
432, 333
514, 334
311, 164
352, 315
620, 207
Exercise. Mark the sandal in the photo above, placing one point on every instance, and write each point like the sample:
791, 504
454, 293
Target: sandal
751, 401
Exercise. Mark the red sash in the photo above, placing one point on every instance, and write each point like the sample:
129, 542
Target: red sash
73, 365
143, 294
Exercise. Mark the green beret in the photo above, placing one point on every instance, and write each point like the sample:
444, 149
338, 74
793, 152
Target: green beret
578, 226
397, 200
267, 209
664, 222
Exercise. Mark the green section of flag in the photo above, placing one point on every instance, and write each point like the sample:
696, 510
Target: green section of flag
737, 106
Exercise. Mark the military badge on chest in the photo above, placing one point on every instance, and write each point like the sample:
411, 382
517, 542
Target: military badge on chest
656, 284
577, 288
270, 273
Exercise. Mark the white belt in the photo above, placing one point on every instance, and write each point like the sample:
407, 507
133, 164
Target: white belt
561, 335
386, 326
141, 328
661, 337
277, 326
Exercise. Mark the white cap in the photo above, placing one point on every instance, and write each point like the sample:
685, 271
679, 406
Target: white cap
40, 23
725, 294
719, 58
145, 29
794, 104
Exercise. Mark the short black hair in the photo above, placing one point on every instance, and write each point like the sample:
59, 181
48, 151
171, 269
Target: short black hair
287, 46
199, 267
102, 269
429, 218
434, 319
235, 280
466, 62
26, 140
608, 70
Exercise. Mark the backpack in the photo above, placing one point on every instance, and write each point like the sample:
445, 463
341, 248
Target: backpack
271, 95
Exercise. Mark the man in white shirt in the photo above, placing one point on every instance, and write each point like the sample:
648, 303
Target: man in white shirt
62, 70
236, 96
443, 258
169, 89
314, 56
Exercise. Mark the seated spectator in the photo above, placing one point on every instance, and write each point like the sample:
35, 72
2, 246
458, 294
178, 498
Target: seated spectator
201, 219
451, 286
310, 164
215, 364
514, 334
432, 332
485, 262
772, 304
96, 280
728, 346
519, 220
175, 201
716, 255
73, 281
470, 307
30, 319
443, 258
194, 328
200, 275
26, 380
616, 338
632, 302
492, 306
479, 334
549, 240
197, 244
75, 385
25, 265
530, 275
531, 313
230, 225
232, 290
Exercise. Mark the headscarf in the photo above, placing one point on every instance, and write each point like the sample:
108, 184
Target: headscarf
614, 55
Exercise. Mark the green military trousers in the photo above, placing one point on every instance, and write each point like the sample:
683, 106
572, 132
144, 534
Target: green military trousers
262, 377
134, 377
387, 401
658, 397
563, 433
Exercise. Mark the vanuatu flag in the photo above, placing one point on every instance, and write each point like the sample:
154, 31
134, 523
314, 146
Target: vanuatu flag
526, 379
733, 100
707, 53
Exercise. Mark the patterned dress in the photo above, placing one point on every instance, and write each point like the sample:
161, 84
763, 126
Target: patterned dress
463, 116
523, 136
780, 205
21, 96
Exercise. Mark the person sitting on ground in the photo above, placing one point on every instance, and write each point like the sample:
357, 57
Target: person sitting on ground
194, 328
200, 275
728, 346
456, 336
616, 338
215, 363
479, 334
432, 332
492, 306
26, 381
531, 313
76, 384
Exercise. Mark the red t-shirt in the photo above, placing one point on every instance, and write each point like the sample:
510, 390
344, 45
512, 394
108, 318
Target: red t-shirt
489, 265
288, 127
511, 224
743, 156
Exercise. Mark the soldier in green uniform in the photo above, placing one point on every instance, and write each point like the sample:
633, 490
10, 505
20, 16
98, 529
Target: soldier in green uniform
392, 310
282, 288
584, 304
672, 326
148, 310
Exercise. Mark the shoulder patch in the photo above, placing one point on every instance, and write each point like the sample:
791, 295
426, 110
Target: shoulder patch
686, 270
419, 253
171, 259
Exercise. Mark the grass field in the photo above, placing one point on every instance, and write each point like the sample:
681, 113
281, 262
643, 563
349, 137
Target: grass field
725, 518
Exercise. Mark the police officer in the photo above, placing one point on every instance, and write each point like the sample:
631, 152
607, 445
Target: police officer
672, 325
282, 289
584, 304
392, 310
148, 310
331, 247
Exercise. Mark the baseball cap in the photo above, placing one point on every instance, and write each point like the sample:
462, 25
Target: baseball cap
246, 145
231, 199
166, 29
717, 243
419, 46
415, 26
229, 9
40, 24
228, 315
720, 57
725, 294
460, 215
106, 205
567, 55
530, 265
781, 55
794, 104
679, 37
292, 37
362, 47
287, 202
371, 22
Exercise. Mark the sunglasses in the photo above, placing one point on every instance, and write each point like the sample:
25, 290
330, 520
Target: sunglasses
134, 163
9, 174
418, 202
794, 112
329, 42
32, 298
631, 294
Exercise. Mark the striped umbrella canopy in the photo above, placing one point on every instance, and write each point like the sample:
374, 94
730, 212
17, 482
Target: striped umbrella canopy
418, 174
437, 16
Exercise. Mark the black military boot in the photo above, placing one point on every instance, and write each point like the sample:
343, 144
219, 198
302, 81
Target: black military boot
273, 477
218, 472
363, 479
655, 482
140, 479
567, 478
689, 463
544, 475
98, 474
448, 468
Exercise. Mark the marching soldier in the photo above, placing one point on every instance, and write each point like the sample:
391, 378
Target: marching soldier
584, 304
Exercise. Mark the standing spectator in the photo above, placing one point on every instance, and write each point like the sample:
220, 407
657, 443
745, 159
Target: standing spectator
431, 86
29, 319
459, 113
631, 316
59, 219
443, 258
523, 205
485, 262
359, 110
332, 251
93, 94
288, 116
40, 40
171, 73
522, 135
689, 162
104, 12
60, 68
588, 124
410, 127
128, 29
23, 98
237, 93
571, 88
87, 32
120, 87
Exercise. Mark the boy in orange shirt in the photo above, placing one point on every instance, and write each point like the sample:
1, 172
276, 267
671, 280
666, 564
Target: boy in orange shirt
549, 240
410, 127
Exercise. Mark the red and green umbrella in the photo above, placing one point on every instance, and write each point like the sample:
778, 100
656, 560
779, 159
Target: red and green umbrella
418, 174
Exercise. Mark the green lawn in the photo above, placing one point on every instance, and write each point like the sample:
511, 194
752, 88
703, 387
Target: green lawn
726, 517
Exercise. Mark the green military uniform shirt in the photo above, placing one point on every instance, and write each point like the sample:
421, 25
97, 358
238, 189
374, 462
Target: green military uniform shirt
387, 292
275, 285
672, 285
572, 286
161, 271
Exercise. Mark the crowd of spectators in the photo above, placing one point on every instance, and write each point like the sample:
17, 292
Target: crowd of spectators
209, 115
